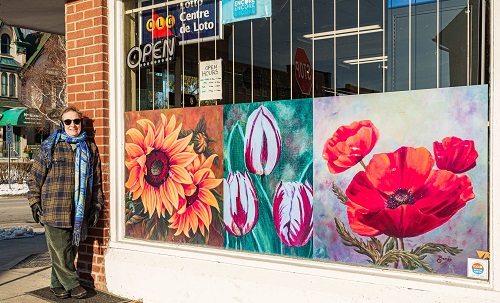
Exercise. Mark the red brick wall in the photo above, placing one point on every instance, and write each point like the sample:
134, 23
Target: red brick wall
88, 72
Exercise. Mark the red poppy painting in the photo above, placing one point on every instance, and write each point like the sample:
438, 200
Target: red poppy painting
401, 196
402, 181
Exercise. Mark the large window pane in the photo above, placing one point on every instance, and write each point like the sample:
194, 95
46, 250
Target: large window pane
323, 48
242, 54
347, 47
262, 60
361, 46
371, 51
282, 75
302, 25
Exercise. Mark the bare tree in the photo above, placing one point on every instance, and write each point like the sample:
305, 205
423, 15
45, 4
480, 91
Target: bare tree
44, 79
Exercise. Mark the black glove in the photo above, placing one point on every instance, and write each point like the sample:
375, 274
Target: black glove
36, 210
93, 216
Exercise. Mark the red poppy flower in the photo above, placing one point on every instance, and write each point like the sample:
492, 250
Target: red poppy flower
400, 195
455, 154
349, 145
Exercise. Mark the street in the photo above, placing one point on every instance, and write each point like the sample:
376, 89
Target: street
15, 212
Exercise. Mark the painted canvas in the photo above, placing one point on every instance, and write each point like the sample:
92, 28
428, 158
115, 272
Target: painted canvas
400, 179
268, 197
174, 172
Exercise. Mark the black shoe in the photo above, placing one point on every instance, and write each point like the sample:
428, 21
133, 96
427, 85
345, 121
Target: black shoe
60, 292
78, 292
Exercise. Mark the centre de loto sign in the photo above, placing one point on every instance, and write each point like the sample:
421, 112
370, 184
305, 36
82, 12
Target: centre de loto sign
303, 73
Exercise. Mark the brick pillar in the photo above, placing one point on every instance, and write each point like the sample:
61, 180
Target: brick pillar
87, 88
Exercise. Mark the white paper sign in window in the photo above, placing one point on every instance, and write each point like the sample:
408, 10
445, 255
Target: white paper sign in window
211, 79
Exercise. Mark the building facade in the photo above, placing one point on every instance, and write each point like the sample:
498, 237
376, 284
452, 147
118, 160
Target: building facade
20, 50
297, 150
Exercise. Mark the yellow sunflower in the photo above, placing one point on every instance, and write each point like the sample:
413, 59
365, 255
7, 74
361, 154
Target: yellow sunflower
194, 210
157, 161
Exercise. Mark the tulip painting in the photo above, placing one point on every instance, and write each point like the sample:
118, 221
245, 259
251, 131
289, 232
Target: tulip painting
240, 204
401, 181
268, 169
173, 180
262, 142
293, 213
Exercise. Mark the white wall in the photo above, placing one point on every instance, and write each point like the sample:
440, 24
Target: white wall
180, 273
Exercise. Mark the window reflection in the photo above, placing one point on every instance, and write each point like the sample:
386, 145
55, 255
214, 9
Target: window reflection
354, 47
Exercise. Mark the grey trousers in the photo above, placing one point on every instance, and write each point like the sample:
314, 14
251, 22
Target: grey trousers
62, 253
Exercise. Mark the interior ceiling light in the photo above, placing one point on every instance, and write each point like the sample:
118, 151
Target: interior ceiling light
345, 32
366, 60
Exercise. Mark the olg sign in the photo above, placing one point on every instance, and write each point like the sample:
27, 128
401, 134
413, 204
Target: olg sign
303, 72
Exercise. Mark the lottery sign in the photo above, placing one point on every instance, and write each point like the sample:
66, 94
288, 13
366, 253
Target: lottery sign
187, 21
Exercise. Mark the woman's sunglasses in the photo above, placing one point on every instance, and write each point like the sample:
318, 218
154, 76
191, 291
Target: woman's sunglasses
76, 121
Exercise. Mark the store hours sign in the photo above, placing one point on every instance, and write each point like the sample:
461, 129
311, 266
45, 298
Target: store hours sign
188, 21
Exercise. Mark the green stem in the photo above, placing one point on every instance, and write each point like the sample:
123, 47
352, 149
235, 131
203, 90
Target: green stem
400, 240
238, 243
383, 246
263, 183
397, 247
362, 164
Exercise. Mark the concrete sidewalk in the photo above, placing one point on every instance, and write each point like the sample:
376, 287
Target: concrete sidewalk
15, 284
25, 275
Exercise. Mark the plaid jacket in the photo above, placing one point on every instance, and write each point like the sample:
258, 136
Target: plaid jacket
54, 187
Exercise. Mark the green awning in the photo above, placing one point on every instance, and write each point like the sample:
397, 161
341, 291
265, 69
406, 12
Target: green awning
9, 63
20, 117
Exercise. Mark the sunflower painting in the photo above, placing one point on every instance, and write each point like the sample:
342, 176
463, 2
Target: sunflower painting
401, 179
174, 175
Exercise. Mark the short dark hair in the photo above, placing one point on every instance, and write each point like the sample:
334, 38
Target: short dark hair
71, 109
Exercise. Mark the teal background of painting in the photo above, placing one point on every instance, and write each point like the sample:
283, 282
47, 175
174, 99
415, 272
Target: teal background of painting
415, 118
294, 119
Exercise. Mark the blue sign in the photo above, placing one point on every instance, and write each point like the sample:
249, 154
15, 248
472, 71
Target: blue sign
402, 3
10, 134
239, 10
187, 21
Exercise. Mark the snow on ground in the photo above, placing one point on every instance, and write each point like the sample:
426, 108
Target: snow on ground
15, 232
14, 190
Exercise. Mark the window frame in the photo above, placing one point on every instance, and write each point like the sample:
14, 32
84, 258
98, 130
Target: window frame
4, 84
5, 44
12, 85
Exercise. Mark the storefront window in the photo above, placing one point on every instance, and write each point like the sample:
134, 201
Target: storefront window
354, 47
282, 131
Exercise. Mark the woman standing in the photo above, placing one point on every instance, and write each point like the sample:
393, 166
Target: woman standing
65, 195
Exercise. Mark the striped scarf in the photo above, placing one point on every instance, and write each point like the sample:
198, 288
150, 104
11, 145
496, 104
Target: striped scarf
83, 174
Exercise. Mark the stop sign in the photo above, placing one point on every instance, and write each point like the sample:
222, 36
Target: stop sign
303, 73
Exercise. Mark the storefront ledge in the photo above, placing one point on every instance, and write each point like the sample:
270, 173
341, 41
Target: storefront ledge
179, 267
